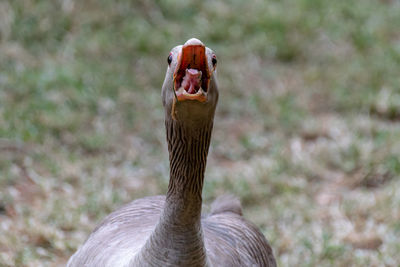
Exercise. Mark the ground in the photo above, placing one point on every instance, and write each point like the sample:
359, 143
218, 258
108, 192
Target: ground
307, 131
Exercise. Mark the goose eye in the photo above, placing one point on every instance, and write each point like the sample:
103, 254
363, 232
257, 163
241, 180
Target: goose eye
169, 59
214, 60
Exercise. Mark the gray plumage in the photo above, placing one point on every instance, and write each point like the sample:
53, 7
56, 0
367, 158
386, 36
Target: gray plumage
229, 239
226, 203
170, 230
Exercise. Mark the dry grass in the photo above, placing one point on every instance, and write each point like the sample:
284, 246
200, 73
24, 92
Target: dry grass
307, 131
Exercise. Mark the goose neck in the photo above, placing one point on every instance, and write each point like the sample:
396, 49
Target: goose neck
188, 149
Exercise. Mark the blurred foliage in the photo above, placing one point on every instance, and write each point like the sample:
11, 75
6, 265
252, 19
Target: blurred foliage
309, 104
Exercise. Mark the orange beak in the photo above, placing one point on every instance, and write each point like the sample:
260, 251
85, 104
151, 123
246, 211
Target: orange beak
191, 76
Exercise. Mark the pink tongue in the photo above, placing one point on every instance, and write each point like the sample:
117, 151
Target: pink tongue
191, 81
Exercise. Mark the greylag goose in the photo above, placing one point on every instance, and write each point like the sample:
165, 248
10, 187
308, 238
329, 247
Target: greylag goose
170, 230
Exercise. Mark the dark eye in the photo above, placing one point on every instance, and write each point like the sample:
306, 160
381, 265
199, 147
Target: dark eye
169, 59
214, 60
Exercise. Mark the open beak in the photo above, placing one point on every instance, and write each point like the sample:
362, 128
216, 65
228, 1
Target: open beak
192, 76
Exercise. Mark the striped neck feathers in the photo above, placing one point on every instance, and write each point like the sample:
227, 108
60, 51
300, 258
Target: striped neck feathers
188, 149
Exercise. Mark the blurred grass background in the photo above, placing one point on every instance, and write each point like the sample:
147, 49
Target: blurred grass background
307, 130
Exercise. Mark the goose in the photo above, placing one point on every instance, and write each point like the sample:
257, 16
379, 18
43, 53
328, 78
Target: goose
171, 230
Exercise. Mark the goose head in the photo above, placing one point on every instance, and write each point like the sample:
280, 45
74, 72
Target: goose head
190, 91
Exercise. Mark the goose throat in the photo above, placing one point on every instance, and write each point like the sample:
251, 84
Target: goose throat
188, 149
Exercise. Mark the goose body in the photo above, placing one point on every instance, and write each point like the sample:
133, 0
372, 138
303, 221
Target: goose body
171, 230
229, 239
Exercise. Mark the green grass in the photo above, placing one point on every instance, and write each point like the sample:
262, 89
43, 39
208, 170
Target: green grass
307, 129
